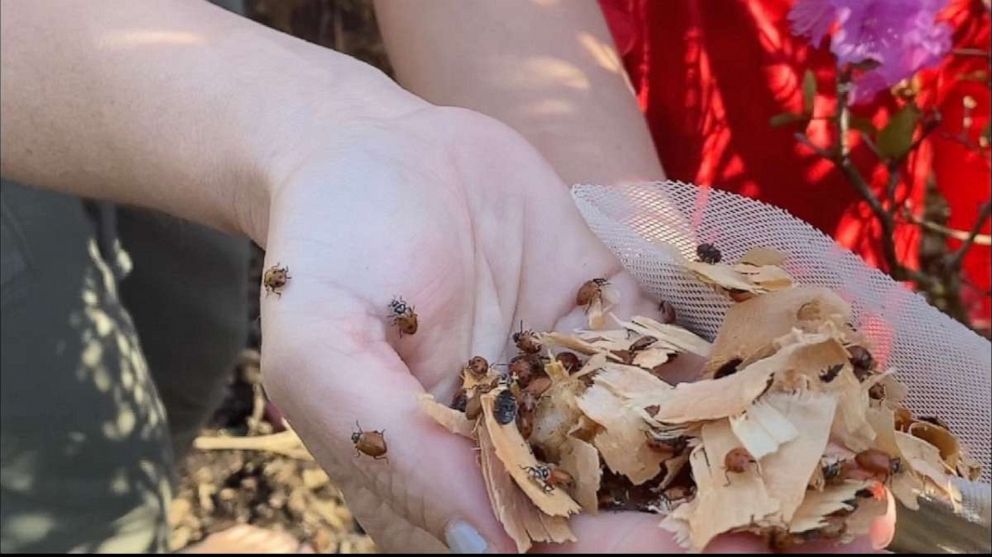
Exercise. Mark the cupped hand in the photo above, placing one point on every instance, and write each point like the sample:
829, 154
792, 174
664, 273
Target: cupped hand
460, 217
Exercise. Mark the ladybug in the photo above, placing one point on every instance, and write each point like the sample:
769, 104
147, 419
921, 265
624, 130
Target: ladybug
832, 471
403, 316
479, 366
590, 291
505, 407
526, 341
862, 360
371, 443
460, 401
641, 344
679, 493
473, 407
569, 361
667, 311
275, 278
525, 368
537, 387
831, 373
935, 421
539, 474
737, 460
878, 462
559, 477
708, 253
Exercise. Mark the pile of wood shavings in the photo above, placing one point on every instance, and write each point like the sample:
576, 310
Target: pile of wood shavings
790, 431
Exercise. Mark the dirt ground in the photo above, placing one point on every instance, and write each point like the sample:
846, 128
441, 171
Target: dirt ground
221, 488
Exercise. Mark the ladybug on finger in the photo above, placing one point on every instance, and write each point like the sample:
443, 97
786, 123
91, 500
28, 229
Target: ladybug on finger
403, 316
371, 443
590, 291
274, 279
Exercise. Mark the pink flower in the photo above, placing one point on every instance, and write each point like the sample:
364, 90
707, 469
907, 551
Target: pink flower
901, 36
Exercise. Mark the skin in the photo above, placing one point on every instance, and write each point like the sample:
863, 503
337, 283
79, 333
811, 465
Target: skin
363, 189
546, 68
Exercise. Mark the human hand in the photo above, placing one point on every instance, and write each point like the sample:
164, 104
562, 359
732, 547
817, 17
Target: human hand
459, 216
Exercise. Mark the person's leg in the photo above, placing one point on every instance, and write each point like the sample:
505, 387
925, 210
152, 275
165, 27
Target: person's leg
187, 294
84, 451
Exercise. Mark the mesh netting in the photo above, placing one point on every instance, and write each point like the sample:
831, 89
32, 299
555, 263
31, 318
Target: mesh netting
653, 228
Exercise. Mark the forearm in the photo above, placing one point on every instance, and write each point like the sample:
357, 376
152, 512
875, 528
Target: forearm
175, 105
548, 69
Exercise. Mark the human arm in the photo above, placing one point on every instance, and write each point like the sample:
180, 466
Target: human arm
547, 69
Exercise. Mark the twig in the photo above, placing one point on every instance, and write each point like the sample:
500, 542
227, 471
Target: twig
890, 186
338, 28
286, 443
980, 239
801, 138
971, 52
843, 161
983, 215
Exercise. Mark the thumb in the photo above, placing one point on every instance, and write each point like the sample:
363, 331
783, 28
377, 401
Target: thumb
327, 372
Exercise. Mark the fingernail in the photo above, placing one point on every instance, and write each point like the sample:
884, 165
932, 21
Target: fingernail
462, 538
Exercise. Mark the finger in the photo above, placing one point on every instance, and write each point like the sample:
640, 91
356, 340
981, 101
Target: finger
334, 370
630, 532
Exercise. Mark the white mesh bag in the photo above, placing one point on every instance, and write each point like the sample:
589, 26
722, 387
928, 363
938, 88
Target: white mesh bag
653, 228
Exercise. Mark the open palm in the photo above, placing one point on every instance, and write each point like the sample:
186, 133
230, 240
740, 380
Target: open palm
462, 219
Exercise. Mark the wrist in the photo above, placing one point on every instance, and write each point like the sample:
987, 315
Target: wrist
311, 127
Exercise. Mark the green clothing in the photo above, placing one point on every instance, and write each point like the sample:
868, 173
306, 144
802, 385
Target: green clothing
89, 354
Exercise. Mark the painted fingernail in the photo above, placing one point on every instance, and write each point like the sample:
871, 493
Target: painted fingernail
462, 538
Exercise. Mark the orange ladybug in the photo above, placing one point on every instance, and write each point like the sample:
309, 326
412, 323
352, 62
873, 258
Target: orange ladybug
372, 443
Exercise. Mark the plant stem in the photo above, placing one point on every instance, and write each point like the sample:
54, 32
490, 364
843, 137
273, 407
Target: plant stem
954, 261
843, 161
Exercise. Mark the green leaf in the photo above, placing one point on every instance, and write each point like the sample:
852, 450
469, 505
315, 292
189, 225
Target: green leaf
863, 125
809, 92
785, 118
896, 137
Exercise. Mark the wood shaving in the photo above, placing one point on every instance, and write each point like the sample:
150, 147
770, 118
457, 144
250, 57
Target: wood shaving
726, 501
924, 459
451, 419
773, 441
556, 416
521, 519
947, 444
581, 460
787, 471
516, 456
623, 439
759, 256
629, 382
762, 429
675, 337
711, 399
812, 513
754, 324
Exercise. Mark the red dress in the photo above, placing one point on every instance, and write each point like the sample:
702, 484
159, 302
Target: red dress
709, 74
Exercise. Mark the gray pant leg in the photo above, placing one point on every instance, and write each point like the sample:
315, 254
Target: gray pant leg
84, 451
187, 294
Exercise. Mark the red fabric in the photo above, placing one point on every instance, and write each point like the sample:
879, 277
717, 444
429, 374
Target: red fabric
709, 74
